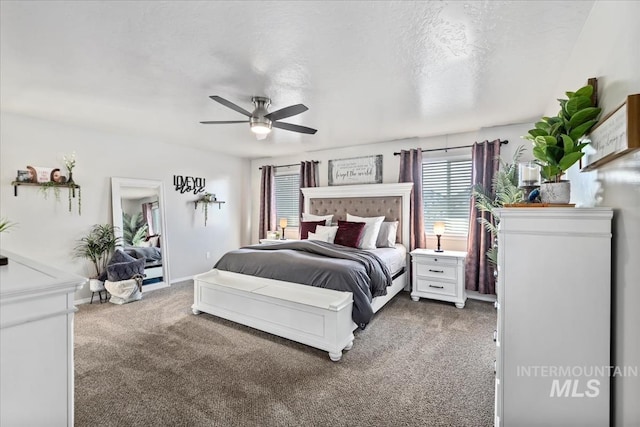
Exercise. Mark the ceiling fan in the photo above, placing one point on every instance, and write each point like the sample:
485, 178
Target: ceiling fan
260, 120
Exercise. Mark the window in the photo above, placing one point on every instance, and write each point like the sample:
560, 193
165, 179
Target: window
446, 192
288, 198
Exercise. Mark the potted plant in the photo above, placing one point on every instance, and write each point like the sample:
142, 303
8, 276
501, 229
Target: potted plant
556, 142
5, 225
504, 190
97, 246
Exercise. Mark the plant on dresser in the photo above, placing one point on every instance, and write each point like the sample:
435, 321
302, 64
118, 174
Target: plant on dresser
438, 275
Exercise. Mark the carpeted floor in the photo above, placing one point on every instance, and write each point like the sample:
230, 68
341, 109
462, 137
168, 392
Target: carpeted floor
153, 363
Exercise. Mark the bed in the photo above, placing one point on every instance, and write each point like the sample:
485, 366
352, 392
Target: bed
315, 316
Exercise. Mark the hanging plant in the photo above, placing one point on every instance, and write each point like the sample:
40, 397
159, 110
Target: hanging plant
206, 199
46, 186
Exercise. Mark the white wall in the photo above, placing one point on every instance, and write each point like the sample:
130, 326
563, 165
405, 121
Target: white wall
608, 50
391, 164
47, 231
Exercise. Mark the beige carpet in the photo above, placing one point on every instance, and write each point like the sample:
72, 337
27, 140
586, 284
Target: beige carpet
153, 363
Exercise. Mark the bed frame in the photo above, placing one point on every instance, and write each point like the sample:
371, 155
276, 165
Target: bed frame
317, 317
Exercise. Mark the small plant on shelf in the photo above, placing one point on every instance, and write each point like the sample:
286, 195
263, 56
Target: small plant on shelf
70, 163
51, 185
205, 199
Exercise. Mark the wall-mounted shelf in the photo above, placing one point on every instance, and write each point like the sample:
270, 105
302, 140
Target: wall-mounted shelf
206, 200
219, 202
72, 186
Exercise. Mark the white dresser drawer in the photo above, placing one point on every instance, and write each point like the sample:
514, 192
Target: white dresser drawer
436, 271
435, 287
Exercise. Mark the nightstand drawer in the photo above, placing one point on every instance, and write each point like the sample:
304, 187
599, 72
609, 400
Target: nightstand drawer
438, 260
436, 271
435, 287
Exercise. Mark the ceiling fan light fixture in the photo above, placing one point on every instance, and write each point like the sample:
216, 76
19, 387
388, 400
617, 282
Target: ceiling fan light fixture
260, 128
260, 125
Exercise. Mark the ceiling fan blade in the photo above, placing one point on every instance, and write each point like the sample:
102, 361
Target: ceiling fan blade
294, 128
285, 112
230, 104
224, 122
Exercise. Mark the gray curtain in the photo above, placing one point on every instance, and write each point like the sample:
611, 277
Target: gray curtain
267, 201
308, 178
478, 270
411, 171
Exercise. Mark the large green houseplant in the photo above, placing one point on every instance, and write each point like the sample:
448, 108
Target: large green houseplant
97, 246
556, 140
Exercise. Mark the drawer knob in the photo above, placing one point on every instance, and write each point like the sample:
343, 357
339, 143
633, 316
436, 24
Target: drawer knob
436, 286
436, 271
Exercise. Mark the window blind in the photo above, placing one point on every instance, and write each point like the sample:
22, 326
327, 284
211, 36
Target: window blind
287, 198
446, 192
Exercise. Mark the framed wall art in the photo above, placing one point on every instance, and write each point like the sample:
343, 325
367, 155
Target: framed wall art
357, 170
618, 133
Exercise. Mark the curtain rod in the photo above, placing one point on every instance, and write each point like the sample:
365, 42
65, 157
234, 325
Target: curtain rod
293, 164
451, 148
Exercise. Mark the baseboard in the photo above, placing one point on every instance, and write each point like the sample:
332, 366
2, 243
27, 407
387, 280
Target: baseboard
481, 297
82, 301
181, 279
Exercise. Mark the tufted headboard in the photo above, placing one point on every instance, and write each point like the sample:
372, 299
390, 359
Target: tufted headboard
388, 200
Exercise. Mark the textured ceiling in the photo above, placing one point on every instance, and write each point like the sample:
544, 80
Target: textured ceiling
368, 71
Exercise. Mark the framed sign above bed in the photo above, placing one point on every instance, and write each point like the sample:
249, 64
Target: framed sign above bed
357, 170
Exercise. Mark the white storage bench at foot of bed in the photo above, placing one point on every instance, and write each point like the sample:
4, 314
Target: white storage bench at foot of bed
317, 317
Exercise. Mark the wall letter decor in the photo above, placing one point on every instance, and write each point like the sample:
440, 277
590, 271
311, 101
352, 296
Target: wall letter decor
185, 184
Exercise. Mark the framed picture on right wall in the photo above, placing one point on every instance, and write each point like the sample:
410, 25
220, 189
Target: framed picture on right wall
617, 134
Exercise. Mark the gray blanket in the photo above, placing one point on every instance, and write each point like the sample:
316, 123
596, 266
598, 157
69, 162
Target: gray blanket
317, 264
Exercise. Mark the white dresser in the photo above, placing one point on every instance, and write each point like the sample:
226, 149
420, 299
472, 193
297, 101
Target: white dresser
438, 275
36, 343
553, 332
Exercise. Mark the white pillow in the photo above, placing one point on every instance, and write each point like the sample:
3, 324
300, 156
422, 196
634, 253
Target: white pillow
323, 237
387, 235
331, 231
310, 217
371, 230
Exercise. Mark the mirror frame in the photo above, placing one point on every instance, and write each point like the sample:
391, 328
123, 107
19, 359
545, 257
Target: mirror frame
116, 204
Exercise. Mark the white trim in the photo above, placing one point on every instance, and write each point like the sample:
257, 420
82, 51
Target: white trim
116, 202
481, 297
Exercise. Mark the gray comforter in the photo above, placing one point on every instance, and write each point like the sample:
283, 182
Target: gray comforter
318, 264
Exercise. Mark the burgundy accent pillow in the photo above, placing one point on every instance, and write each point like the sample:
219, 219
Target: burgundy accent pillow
349, 233
309, 226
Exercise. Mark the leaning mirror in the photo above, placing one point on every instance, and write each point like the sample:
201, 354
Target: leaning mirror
139, 218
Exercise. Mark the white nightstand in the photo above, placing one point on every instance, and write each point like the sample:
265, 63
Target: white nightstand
438, 275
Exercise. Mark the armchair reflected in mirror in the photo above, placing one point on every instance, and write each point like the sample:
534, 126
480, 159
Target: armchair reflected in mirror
139, 218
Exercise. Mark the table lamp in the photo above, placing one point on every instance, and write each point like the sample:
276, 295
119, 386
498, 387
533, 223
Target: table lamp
283, 225
438, 230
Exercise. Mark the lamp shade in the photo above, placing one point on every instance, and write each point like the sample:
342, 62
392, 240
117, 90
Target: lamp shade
283, 222
438, 228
